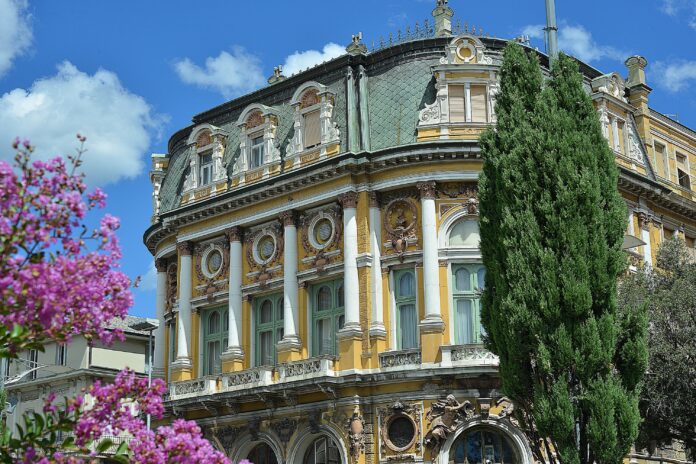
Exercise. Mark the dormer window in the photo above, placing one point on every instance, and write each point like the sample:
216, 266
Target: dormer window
314, 126
207, 149
468, 103
258, 150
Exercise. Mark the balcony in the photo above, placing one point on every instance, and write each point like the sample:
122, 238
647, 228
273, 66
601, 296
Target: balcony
468, 356
398, 360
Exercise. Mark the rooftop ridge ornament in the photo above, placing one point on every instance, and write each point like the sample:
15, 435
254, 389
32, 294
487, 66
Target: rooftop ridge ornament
277, 75
356, 47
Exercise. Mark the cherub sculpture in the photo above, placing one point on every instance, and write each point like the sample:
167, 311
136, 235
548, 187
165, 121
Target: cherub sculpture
444, 416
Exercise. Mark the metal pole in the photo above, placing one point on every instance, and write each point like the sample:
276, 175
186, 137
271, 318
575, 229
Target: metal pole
149, 369
551, 30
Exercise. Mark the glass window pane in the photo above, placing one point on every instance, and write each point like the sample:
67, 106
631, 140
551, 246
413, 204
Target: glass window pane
266, 348
407, 285
324, 299
465, 326
266, 312
409, 325
226, 321
462, 280
279, 310
481, 276
324, 336
465, 234
339, 296
214, 323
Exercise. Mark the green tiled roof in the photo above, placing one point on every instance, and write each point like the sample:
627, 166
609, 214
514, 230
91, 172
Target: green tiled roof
395, 97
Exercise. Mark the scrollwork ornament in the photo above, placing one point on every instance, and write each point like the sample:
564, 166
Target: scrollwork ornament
356, 428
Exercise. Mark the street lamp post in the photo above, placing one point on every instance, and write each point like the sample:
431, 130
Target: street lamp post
147, 325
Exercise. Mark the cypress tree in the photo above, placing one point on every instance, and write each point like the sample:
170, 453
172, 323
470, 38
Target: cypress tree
552, 225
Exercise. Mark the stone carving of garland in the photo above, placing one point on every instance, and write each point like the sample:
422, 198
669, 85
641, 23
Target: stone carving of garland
400, 219
321, 257
265, 274
215, 283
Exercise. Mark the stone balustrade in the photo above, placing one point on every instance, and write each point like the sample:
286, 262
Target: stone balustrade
400, 359
468, 355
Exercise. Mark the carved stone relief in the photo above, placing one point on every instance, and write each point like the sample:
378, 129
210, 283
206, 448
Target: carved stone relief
321, 235
460, 191
212, 266
264, 250
356, 436
400, 221
444, 416
400, 426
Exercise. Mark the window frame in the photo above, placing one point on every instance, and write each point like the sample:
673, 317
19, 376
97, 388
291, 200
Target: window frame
468, 106
335, 313
400, 301
61, 355
222, 336
277, 324
205, 168
33, 363
472, 295
253, 147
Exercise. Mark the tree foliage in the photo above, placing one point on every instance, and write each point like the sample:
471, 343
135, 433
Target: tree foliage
668, 400
552, 225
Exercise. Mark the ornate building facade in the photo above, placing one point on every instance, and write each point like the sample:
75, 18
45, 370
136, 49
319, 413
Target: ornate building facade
316, 244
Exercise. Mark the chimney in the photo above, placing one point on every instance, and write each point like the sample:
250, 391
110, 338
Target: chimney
637, 87
443, 19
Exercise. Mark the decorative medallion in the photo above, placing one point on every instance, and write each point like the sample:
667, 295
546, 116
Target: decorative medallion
264, 248
400, 219
321, 235
356, 428
400, 436
212, 266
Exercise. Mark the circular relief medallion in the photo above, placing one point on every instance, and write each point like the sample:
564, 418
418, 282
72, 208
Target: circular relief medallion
321, 232
401, 433
212, 261
265, 248
466, 52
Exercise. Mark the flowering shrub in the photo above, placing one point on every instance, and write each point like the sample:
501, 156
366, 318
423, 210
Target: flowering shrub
58, 279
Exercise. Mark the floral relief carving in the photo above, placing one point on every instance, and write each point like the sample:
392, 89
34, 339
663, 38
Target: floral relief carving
264, 249
204, 139
171, 286
321, 234
356, 435
466, 192
400, 430
400, 219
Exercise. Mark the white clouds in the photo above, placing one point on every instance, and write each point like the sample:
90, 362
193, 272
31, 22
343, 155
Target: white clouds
577, 41
117, 123
230, 74
15, 31
299, 61
681, 9
674, 76
239, 72
148, 282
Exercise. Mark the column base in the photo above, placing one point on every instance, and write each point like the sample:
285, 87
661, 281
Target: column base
377, 330
289, 349
432, 324
350, 330
232, 359
378, 343
182, 369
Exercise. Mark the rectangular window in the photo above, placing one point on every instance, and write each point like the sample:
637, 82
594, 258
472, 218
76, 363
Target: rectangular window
256, 159
61, 355
660, 160
468, 281
683, 172
327, 316
215, 329
33, 363
479, 109
457, 108
406, 312
206, 169
312, 129
268, 313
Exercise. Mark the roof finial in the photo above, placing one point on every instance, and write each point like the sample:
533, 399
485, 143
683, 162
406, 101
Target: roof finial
277, 75
356, 47
443, 19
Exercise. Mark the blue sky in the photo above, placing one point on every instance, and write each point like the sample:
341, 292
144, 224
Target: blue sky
129, 73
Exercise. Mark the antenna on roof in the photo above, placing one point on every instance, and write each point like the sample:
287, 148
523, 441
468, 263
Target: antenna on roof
551, 30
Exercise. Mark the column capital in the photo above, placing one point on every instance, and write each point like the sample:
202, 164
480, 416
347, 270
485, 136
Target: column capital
288, 218
374, 199
643, 219
234, 234
161, 265
348, 199
185, 248
427, 190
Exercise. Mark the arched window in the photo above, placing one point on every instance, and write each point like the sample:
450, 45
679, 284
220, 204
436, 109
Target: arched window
484, 446
269, 328
406, 312
257, 144
215, 329
465, 234
327, 316
323, 450
262, 454
207, 144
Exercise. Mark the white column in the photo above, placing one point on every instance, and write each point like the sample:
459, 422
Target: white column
644, 224
377, 326
431, 271
160, 307
183, 358
290, 288
351, 288
234, 346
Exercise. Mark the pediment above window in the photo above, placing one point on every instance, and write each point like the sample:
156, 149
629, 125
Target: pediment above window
466, 49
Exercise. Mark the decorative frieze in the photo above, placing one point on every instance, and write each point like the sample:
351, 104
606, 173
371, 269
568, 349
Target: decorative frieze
400, 358
192, 387
247, 378
312, 367
472, 355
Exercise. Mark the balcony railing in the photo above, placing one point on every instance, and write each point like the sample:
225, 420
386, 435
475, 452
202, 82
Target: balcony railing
469, 356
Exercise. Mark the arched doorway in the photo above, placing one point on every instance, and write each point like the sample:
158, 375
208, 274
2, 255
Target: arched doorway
262, 454
322, 450
483, 445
